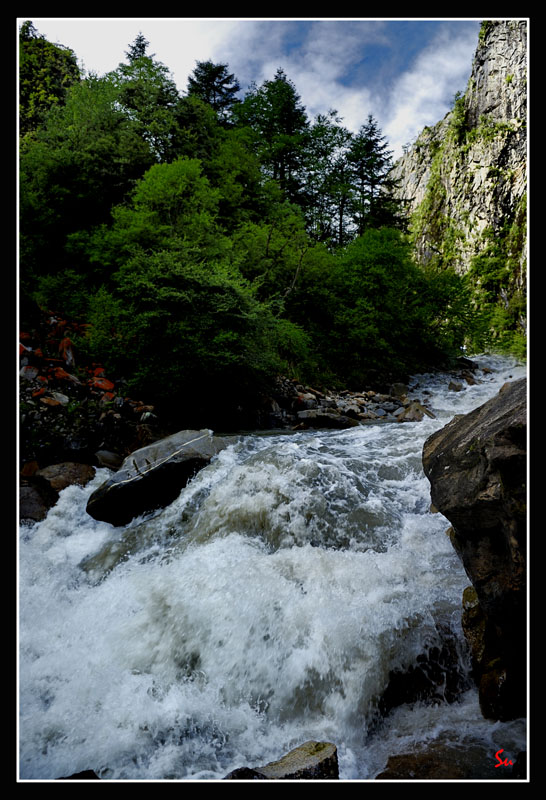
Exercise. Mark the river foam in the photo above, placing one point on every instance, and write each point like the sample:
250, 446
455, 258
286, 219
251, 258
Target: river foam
264, 607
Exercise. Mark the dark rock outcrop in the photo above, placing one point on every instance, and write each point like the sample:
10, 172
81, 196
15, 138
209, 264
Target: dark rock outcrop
39, 488
153, 476
310, 761
86, 775
476, 466
435, 676
452, 761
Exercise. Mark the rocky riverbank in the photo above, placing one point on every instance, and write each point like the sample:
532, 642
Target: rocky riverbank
75, 417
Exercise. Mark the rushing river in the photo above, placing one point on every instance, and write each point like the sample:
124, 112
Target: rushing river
263, 608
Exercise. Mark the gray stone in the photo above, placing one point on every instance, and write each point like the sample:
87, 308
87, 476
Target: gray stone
414, 412
108, 459
310, 761
152, 477
33, 505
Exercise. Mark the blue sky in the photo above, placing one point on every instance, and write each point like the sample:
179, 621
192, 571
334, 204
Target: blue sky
405, 72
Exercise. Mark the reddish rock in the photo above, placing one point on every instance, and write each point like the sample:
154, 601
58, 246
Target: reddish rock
39, 392
29, 469
102, 383
59, 476
62, 375
66, 351
49, 401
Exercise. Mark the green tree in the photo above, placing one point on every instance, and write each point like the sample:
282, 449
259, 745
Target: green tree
272, 252
213, 84
148, 94
370, 161
46, 71
275, 115
82, 161
172, 208
381, 317
328, 189
190, 336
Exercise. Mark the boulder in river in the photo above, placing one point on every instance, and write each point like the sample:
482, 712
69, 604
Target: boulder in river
153, 476
310, 761
476, 466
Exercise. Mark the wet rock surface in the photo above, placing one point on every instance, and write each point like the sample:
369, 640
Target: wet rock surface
443, 761
153, 476
310, 761
476, 466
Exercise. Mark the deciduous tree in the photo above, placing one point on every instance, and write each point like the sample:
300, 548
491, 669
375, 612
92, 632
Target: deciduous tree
46, 71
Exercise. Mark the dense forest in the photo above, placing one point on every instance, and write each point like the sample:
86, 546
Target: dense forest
213, 239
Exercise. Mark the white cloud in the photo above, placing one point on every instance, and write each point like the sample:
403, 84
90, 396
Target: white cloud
424, 94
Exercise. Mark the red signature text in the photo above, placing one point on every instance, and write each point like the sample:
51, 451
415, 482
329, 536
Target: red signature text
502, 763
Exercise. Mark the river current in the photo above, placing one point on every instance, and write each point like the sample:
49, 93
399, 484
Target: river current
266, 606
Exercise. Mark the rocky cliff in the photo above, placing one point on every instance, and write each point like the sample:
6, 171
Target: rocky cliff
465, 179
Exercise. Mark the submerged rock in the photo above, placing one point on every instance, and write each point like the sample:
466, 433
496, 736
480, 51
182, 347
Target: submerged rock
153, 476
476, 466
313, 418
310, 761
86, 775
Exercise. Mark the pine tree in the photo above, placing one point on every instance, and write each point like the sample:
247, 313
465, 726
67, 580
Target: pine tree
137, 49
279, 123
149, 96
213, 84
327, 183
370, 162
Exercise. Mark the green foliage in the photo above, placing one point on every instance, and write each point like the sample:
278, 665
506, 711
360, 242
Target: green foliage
74, 168
215, 85
497, 281
458, 127
148, 95
212, 243
183, 329
328, 184
46, 71
371, 162
173, 207
373, 313
278, 125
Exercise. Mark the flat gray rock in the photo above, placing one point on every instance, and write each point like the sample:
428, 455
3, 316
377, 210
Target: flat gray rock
152, 477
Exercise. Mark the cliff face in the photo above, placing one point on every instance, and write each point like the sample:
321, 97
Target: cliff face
465, 179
